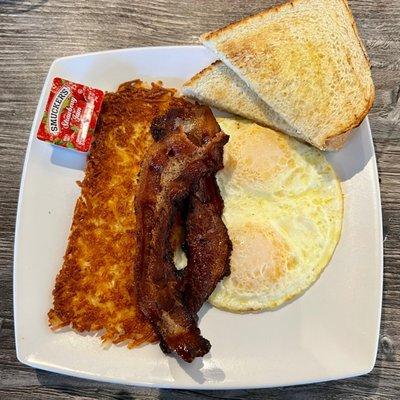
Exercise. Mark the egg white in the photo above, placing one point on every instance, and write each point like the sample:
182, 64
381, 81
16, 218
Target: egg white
283, 210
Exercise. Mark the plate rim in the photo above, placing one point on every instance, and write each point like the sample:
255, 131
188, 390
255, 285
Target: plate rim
173, 385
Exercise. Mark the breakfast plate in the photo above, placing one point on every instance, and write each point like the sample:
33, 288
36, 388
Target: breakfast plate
330, 332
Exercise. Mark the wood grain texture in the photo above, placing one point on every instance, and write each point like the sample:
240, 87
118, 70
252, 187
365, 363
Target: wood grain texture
33, 33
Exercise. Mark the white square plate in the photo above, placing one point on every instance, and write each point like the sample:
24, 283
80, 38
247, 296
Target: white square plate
330, 332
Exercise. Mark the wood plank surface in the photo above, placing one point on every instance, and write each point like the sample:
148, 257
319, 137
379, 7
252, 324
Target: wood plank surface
34, 33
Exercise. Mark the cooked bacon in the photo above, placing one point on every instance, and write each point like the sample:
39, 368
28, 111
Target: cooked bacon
208, 244
207, 241
170, 170
198, 122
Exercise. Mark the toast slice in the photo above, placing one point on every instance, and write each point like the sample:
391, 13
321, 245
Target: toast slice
305, 60
218, 86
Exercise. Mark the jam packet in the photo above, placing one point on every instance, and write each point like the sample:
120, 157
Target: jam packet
71, 114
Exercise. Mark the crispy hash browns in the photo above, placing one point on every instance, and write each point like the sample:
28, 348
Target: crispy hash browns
94, 289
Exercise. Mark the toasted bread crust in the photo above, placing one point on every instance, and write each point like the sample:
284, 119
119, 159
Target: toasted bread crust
337, 141
218, 32
201, 74
354, 25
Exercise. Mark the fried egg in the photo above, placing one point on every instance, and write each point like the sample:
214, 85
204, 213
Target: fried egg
283, 210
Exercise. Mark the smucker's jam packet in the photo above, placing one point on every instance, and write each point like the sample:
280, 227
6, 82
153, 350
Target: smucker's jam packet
71, 114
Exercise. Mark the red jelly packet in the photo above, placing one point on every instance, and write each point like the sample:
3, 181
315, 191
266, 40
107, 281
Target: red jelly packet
70, 115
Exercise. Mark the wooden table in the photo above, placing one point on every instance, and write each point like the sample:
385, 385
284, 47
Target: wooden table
33, 33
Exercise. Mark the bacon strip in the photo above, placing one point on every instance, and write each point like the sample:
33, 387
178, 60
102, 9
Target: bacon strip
169, 172
208, 244
207, 241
